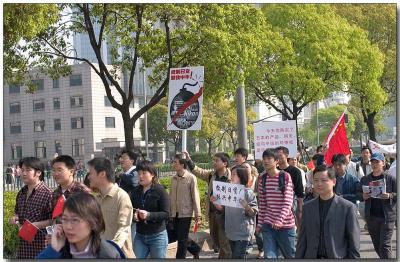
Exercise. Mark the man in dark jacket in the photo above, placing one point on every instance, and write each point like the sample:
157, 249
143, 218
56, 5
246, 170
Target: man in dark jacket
346, 184
330, 227
380, 212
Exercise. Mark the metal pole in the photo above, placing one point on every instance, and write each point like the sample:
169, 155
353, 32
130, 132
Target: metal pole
317, 126
241, 112
146, 132
184, 138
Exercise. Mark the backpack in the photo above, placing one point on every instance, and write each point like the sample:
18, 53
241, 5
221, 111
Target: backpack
281, 179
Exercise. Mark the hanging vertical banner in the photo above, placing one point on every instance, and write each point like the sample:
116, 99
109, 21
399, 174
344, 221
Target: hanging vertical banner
274, 134
185, 98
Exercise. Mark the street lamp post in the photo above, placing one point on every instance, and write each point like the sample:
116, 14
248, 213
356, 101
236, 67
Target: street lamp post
241, 112
146, 133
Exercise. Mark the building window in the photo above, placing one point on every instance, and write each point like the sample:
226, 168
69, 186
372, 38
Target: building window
141, 101
16, 152
38, 126
15, 128
57, 124
107, 102
76, 122
78, 147
38, 105
110, 122
40, 149
56, 83
76, 101
15, 107
14, 89
75, 80
58, 147
39, 84
56, 103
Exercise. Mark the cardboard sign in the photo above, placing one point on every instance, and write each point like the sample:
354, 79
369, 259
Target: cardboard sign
274, 134
228, 194
185, 98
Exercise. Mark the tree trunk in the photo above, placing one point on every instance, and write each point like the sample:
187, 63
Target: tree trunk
370, 124
209, 143
128, 131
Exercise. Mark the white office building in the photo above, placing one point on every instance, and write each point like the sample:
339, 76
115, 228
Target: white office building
70, 115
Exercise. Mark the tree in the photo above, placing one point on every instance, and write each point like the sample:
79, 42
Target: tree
327, 117
308, 55
379, 20
23, 22
162, 36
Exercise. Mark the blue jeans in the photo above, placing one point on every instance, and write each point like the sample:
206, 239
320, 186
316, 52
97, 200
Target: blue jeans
283, 239
133, 233
154, 244
238, 248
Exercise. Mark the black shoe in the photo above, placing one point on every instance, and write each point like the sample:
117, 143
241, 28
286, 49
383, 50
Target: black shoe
196, 256
216, 250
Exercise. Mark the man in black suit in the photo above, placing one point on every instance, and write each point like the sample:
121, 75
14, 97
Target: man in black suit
330, 227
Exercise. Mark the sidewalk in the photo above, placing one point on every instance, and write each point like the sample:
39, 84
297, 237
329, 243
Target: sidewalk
203, 239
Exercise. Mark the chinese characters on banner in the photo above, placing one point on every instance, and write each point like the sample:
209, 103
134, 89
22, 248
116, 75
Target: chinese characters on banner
228, 194
185, 98
274, 134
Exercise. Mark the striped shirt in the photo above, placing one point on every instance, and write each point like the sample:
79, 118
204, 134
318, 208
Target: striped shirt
275, 207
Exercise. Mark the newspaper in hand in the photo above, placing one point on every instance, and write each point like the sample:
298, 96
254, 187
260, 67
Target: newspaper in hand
375, 188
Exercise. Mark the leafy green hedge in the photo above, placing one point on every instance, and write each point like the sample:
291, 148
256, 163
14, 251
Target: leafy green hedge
10, 232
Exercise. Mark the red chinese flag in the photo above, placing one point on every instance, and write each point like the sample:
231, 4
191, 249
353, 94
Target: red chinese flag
195, 228
58, 209
310, 165
336, 141
28, 231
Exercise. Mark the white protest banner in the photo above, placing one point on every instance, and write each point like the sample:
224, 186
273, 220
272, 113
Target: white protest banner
384, 149
274, 134
228, 194
185, 98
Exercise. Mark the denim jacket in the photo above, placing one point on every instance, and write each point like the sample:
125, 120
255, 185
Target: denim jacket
349, 189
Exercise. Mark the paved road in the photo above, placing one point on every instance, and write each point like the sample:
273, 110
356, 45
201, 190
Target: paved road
366, 247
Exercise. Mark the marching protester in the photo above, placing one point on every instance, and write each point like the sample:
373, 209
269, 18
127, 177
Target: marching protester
63, 171
292, 161
330, 227
296, 179
33, 205
128, 179
365, 162
184, 202
215, 217
78, 236
353, 169
380, 211
241, 155
115, 204
240, 223
346, 184
151, 204
258, 234
276, 220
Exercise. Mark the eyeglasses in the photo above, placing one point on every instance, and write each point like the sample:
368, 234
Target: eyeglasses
73, 221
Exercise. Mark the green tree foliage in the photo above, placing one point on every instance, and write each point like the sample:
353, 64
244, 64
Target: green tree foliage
161, 36
371, 96
10, 232
309, 53
327, 117
22, 22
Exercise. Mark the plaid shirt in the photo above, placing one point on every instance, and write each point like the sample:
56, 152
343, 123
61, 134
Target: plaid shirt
36, 208
75, 187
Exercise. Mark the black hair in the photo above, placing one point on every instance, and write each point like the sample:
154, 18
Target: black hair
66, 159
323, 168
148, 166
182, 160
270, 152
103, 164
34, 163
132, 155
224, 157
339, 158
366, 148
243, 175
242, 151
319, 148
284, 149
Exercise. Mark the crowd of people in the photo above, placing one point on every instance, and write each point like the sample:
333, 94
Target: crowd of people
291, 210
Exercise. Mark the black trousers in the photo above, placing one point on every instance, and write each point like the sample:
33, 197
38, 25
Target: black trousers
381, 235
181, 227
